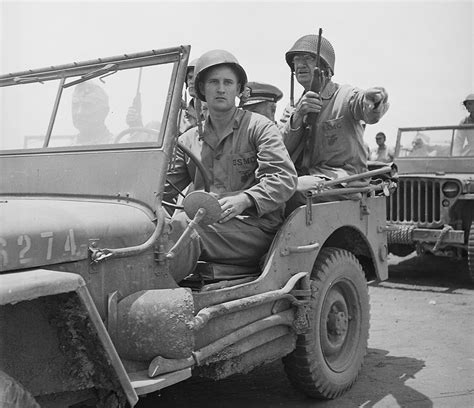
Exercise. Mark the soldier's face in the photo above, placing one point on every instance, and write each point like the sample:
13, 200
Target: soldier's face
220, 87
304, 65
190, 81
379, 140
469, 106
88, 111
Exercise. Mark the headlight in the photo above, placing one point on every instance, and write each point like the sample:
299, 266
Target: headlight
451, 189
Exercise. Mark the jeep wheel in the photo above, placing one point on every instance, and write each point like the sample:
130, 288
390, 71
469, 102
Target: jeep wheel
327, 359
470, 252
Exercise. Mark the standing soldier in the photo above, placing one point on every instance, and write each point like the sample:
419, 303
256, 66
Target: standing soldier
260, 98
251, 174
333, 146
464, 138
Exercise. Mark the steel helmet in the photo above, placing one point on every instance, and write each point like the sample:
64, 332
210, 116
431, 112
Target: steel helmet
469, 97
309, 44
191, 66
213, 58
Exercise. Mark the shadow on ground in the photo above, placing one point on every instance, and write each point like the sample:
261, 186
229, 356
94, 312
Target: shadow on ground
267, 386
429, 270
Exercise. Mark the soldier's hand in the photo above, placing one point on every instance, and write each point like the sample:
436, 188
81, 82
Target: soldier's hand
133, 118
310, 103
233, 205
375, 96
306, 183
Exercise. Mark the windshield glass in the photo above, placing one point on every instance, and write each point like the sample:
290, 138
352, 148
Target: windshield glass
454, 141
117, 106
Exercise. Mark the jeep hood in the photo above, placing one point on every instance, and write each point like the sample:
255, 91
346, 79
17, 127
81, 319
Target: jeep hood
44, 231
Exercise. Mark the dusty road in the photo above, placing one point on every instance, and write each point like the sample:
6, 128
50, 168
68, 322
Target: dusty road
421, 351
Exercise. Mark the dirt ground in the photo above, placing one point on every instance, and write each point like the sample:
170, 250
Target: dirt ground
421, 351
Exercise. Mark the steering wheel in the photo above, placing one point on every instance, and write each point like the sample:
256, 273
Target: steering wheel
201, 169
130, 130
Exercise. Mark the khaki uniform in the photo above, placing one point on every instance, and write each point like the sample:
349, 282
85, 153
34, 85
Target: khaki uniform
336, 145
250, 158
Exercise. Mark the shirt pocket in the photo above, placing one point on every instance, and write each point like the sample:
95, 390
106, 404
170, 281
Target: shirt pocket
332, 132
242, 168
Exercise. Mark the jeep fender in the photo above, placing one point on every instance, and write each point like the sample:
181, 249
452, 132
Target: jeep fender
49, 324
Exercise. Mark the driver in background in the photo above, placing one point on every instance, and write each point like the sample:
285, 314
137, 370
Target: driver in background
464, 138
90, 107
251, 174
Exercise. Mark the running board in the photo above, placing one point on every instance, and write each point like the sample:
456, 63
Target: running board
143, 384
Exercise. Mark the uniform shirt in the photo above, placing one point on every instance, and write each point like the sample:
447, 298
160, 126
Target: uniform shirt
189, 117
250, 157
335, 147
464, 139
384, 154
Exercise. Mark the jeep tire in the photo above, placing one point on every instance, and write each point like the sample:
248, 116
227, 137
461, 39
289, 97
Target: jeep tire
328, 358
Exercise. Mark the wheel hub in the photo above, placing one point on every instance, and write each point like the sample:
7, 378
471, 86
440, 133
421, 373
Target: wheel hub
337, 322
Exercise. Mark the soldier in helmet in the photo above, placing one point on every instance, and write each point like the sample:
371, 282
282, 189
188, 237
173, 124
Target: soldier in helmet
251, 174
464, 138
333, 146
260, 98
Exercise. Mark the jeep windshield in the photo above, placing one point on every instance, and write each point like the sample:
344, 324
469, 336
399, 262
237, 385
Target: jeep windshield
121, 100
435, 141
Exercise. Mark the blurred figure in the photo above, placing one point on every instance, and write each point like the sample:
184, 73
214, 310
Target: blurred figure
382, 153
90, 107
421, 147
464, 138
260, 98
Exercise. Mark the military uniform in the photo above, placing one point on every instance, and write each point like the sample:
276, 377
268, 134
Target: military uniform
250, 158
336, 146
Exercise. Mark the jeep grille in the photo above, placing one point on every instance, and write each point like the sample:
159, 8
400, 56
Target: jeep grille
416, 201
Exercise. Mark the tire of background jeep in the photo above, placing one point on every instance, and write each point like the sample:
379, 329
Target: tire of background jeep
13, 394
470, 252
327, 359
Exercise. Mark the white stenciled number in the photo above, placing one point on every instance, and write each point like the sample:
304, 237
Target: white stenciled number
70, 245
25, 242
3, 252
49, 251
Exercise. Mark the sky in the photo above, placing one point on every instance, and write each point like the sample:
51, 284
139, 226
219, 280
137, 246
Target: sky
421, 52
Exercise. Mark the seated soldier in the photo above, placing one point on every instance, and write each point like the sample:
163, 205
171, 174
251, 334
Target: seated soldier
333, 146
250, 170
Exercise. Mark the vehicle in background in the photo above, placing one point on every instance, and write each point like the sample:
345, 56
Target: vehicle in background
432, 209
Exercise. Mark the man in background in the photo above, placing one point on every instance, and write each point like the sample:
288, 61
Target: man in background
382, 153
464, 138
260, 98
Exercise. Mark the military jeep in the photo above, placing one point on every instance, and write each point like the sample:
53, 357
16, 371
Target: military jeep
89, 311
432, 210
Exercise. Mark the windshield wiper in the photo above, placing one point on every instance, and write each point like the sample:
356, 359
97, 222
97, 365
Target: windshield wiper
109, 68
